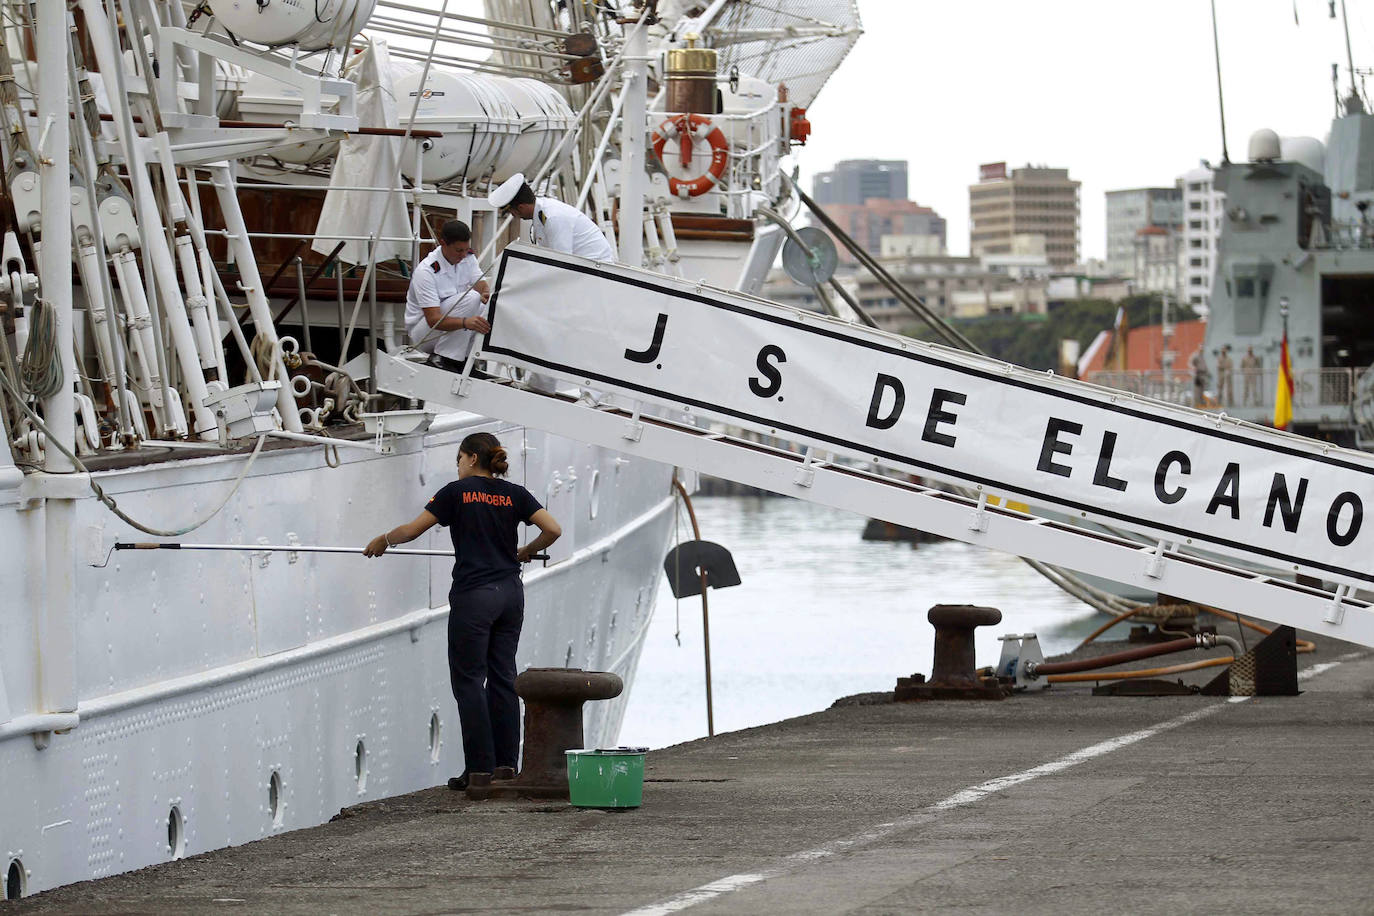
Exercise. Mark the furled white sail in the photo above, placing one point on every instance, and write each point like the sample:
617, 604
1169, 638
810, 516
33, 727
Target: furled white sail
366, 162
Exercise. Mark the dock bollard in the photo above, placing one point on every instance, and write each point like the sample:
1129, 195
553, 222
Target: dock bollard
954, 674
553, 724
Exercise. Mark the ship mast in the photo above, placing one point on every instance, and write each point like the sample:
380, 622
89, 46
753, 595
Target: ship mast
1353, 104
632, 140
57, 679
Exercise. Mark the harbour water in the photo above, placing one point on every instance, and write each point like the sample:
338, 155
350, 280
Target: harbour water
820, 614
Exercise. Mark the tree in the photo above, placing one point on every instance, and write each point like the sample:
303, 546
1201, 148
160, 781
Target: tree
1033, 340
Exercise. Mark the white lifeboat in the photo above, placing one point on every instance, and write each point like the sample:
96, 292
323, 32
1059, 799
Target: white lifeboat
544, 118
271, 101
480, 126
313, 25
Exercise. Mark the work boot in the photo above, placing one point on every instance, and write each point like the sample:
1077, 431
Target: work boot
502, 773
479, 786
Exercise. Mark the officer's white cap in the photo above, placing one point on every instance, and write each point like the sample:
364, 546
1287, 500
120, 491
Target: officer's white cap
504, 194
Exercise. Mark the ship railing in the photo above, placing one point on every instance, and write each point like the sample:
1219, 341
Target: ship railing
1173, 386
1244, 388
1349, 234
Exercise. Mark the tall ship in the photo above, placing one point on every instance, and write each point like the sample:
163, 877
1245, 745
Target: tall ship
212, 213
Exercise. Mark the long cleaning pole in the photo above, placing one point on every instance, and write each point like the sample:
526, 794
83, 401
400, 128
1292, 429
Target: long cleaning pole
285, 548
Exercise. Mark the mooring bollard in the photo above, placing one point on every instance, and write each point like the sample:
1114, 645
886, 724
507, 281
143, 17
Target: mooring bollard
553, 724
954, 675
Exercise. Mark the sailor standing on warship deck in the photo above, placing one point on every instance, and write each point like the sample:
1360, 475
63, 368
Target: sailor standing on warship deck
445, 296
553, 224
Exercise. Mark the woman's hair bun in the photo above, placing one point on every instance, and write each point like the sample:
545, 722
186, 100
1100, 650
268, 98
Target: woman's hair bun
490, 455
499, 465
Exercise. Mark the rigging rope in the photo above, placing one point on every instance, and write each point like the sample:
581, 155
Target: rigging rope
108, 500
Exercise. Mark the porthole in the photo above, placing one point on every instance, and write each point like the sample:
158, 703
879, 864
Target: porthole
274, 805
15, 880
594, 504
176, 833
435, 730
360, 765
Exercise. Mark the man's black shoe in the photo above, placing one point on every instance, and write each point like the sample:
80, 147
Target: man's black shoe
458, 783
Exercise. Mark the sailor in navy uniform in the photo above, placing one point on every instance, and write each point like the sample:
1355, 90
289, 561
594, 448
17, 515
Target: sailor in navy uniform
553, 224
444, 302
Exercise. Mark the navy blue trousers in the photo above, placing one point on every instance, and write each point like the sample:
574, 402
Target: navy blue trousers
483, 632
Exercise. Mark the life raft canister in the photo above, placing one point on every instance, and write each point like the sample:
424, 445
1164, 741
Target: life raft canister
685, 127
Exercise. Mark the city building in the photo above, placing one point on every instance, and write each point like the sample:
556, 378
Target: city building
1202, 211
1129, 211
853, 181
868, 223
1155, 265
951, 286
1035, 200
910, 246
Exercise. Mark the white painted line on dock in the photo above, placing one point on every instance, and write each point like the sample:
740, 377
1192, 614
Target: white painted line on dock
962, 798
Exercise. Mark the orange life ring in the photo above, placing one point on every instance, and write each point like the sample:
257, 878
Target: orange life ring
684, 127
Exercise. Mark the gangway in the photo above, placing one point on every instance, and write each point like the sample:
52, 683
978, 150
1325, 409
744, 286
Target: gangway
1199, 505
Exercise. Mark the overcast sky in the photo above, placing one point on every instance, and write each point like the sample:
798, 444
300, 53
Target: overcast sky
1123, 94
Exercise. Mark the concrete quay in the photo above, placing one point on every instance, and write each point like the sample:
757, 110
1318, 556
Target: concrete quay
1054, 802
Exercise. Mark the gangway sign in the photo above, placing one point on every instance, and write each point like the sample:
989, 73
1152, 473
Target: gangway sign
1171, 472
1200, 487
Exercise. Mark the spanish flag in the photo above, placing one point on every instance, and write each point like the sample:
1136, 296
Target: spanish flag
1283, 398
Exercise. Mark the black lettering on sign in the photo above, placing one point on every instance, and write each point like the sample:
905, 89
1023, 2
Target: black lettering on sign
880, 386
1052, 446
937, 415
1290, 507
1102, 477
1333, 519
768, 371
650, 354
1227, 492
1185, 467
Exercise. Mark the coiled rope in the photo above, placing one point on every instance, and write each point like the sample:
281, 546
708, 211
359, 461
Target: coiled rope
40, 368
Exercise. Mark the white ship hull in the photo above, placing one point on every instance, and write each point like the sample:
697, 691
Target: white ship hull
201, 675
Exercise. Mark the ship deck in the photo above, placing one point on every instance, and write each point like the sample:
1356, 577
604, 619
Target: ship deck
1053, 802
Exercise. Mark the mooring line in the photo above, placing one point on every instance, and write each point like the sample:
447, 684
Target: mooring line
963, 798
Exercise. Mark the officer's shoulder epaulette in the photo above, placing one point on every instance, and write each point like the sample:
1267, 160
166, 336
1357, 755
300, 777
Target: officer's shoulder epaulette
543, 218
434, 266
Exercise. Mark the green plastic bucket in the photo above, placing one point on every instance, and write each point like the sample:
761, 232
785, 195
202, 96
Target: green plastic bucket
608, 777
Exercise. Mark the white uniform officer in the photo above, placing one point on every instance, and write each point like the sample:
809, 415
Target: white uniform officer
553, 224
445, 298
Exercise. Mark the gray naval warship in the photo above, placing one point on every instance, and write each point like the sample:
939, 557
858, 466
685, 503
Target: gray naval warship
1296, 256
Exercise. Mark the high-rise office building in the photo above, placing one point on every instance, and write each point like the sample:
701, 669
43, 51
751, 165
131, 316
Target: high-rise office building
853, 181
1203, 207
1128, 212
867, 198
1035, 200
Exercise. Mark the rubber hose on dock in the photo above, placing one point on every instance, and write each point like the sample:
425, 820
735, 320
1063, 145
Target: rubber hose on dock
1117, 658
